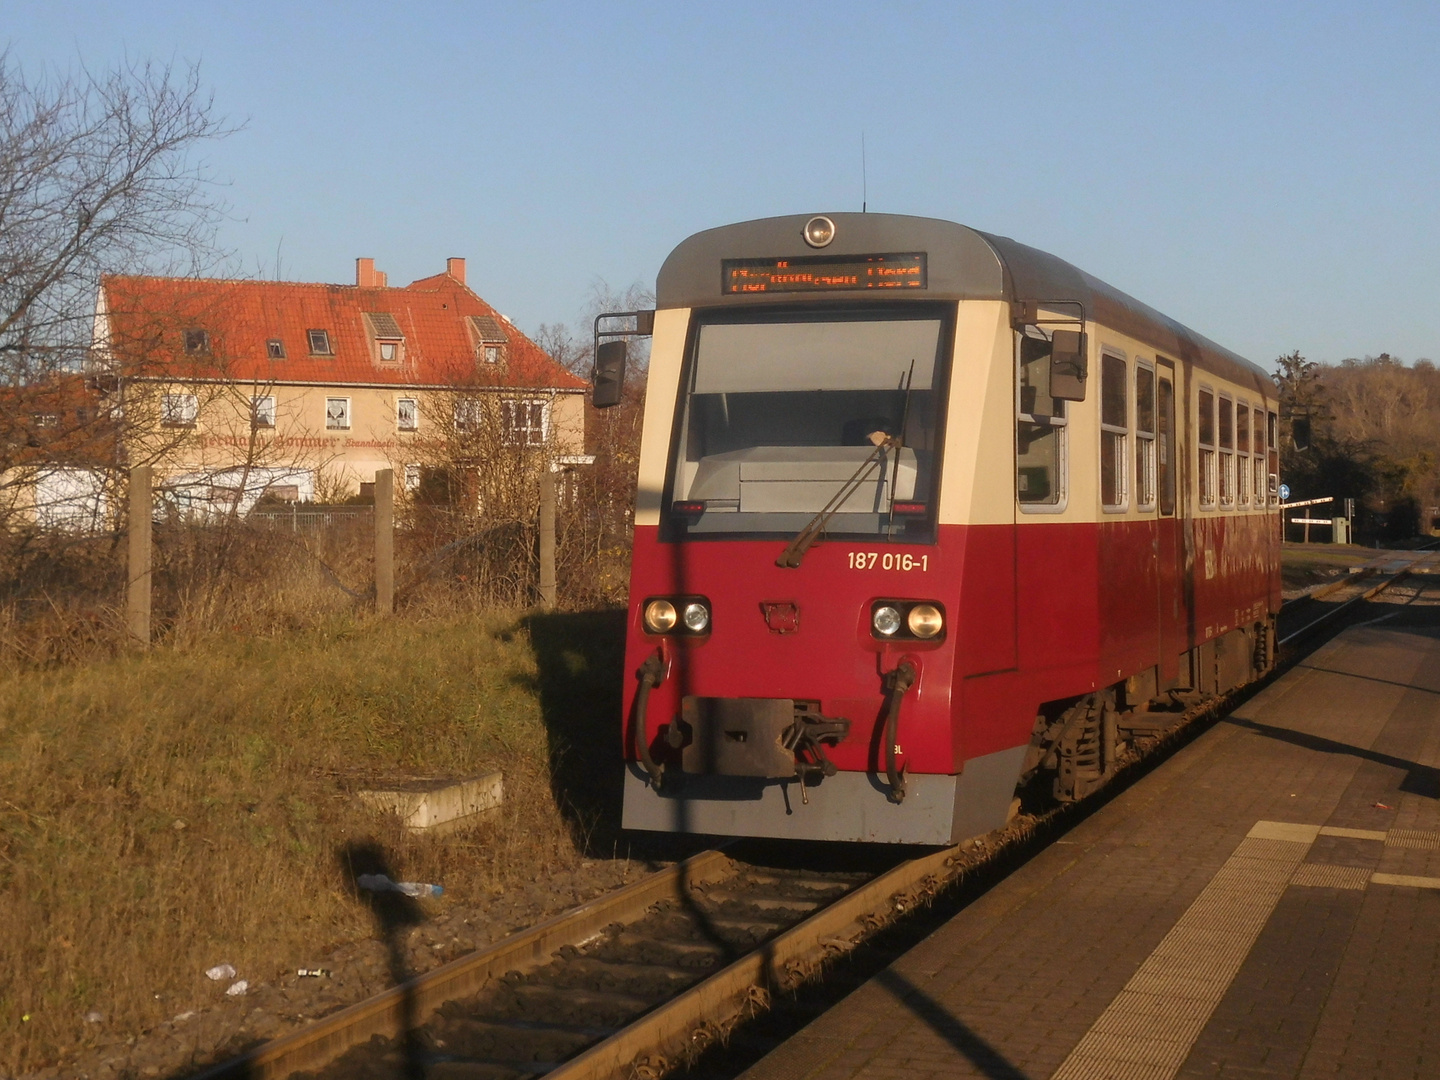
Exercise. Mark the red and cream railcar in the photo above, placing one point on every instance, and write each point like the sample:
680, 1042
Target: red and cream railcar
923, 511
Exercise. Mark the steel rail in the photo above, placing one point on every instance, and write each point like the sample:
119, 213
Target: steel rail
725, 994
316, 1045
1374, 590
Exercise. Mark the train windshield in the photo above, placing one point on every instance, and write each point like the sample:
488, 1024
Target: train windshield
785, 414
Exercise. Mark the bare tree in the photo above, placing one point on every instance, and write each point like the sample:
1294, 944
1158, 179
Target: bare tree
98, 174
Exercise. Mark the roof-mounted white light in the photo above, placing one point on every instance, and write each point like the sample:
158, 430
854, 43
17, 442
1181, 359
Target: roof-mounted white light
819, 231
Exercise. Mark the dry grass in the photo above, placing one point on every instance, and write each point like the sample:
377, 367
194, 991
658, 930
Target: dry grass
166, 812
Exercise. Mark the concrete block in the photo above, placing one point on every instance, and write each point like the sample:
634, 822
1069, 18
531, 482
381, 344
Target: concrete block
439, 805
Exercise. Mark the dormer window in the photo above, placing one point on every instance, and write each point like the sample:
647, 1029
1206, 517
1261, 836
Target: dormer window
275, 349
197, 341
386, 337
490, 338
320, 343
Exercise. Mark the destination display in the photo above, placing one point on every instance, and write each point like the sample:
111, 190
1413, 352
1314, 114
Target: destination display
815, 273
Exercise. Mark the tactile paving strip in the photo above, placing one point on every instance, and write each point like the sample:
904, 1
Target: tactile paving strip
1323, 876
1194, 964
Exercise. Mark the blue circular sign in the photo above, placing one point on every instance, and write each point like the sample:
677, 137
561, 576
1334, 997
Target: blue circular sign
1284, 492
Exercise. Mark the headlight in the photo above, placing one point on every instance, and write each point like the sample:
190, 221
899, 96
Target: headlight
925, 620
819, 231
697, 617
660, 616
886, 620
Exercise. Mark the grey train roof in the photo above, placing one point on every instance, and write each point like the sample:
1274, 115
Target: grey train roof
962, 264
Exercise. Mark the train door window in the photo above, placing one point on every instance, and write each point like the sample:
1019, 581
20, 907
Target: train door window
1227, 451
1144, 436
1114, 434
1257, 460
1039, 428
1272, 481
1206, 441
1242, 453
1165, 445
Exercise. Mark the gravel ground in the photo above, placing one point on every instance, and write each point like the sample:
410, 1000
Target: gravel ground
205, 1031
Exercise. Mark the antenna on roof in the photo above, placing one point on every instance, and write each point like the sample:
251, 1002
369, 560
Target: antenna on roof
864, 183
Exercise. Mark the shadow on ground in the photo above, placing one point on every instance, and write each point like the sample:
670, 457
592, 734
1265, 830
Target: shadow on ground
580, 677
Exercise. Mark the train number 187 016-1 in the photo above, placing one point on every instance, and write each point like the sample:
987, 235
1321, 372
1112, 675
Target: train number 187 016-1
871, 560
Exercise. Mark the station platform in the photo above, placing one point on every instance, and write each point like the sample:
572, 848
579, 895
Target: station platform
1266, 903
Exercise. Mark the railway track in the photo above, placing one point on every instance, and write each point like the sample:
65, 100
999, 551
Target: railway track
655, 973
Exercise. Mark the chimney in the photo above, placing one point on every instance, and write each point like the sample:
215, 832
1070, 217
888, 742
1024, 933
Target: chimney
365, 273
382, 279
456, 269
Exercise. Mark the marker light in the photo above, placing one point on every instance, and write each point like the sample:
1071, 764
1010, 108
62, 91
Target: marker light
819, 231
886, 620
925, 620
697, 617
659, 616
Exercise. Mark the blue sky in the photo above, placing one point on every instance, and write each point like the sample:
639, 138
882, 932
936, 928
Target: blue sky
1265, 172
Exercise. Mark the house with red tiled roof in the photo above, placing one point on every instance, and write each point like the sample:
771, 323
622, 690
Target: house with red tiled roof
306, 390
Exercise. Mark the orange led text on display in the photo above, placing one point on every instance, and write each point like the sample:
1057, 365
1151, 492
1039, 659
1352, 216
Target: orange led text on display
824, 272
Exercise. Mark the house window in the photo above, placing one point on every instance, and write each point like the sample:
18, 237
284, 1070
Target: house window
179, 410
262, 411
319, 342
523, 423
490, 338
468, 415
275, 349
337, 413
197, 341
1114, 434
1144, 437
407, 414
412, 477
1040, 427
1227, 451
385, 333
1206, 442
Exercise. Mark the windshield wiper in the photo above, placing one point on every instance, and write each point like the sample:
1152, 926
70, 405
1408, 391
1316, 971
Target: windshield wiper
795, 550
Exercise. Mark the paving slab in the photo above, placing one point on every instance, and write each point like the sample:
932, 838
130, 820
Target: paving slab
1264, 904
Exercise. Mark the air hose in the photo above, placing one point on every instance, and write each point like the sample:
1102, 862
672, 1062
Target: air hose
901, 680
651, 675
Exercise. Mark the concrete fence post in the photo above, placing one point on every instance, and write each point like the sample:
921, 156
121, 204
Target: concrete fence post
548, 590
137, 577
385, 542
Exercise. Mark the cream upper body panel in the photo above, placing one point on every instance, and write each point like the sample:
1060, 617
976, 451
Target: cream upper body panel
667, 359
977, 479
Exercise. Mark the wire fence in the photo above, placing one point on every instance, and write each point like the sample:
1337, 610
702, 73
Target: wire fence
289, 566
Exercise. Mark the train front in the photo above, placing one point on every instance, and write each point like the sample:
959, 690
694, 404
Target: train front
789, 655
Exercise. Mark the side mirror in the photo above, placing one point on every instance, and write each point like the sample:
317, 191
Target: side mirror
1300, 432
610, 359
1068, 365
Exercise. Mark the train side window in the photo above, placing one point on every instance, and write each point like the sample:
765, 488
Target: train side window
1257, 461
1206, 442
1272, 484
1144, 436
1165, 448
1040, 426
1242, 453
1227, 451
1114, 434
